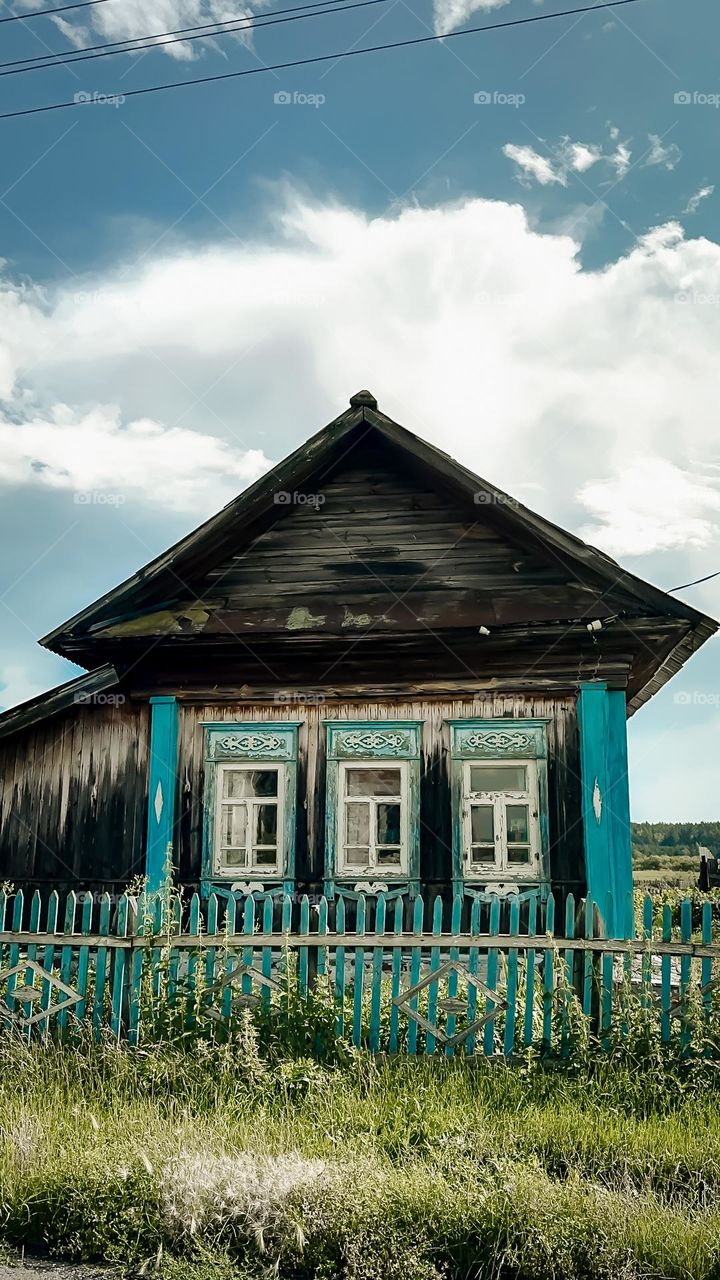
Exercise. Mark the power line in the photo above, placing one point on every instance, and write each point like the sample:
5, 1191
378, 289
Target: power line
157, 39
696, 583
321, 57
45, 13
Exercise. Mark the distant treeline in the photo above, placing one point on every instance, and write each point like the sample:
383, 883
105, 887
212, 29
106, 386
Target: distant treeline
674, 839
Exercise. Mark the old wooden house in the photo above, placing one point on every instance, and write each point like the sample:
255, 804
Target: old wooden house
371, 670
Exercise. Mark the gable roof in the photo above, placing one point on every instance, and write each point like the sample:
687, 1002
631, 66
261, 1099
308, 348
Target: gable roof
254, 510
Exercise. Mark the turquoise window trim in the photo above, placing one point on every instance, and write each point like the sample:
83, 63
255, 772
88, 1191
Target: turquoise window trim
251, 742
369, 740
498, 739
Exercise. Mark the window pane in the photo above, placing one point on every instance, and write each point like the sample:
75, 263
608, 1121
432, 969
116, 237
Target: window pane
373, 782
234, 858
241, 783
388, 857
266, 857
482, 823
479, 855
388, 824
516, 853
234, 826
265, 824
517, 823
498, 777
357, 857
357, 824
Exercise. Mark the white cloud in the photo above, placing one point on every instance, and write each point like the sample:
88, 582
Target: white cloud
449, 14
652, 505
118, 20
668, 155
533, 165
620, 159
695, 201
94, 452
176, 379
565, 158
583, 157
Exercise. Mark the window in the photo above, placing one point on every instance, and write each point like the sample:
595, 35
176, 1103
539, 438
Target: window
500, 813
248, 817
372, 808
249, 806
499, 780
373, 817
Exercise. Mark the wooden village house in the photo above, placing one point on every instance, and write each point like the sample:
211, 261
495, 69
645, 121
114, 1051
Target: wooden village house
372, 671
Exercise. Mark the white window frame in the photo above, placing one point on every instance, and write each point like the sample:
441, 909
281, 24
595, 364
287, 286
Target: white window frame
355, 870
499, 863
251, 869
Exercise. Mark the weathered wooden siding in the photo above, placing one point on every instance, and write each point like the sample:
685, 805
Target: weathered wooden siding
564, 775
73, 799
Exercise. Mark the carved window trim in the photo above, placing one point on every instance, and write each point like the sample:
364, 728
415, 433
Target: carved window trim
521, 741
252, 745
368, 743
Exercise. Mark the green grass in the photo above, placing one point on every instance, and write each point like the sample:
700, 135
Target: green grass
217, 1162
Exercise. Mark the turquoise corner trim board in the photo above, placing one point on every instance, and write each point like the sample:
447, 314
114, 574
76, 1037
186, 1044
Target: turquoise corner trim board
162, 776
369, 742
500, 740
261, 743
602, 718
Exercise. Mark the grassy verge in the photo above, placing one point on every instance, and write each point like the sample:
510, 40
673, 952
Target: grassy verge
214, 1158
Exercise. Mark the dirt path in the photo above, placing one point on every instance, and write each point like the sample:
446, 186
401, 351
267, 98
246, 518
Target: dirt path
39, 1269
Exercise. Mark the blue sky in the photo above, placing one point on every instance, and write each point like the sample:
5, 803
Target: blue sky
510, 237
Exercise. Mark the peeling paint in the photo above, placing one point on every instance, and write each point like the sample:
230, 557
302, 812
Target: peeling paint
351, 619
304, 620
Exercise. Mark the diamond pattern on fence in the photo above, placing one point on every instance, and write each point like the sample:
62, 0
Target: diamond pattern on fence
452, 1006
29, 994
233, 980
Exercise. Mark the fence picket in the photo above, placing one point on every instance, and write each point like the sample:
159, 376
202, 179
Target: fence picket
568, 976
415, 962
48, 960
322, 951
396, 978
706, 970
377, 966
646, 993
303, 958
512, 980
588, 980
83, 963
193, 929
548, 974
430, 1040
14, 952
665, 971
66, 957
267, 955
119, 963
358, 974
473, 965
101, 967
135, 975
340, 970
530, 975
607, 978
452, 985
491, 979
685, 976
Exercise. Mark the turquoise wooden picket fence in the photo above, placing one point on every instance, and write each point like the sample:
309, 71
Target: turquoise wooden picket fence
489, 977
